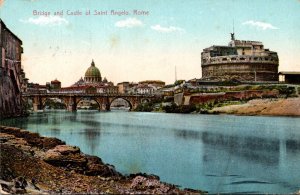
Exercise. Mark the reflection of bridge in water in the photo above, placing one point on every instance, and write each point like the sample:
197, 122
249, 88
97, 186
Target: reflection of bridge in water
72, 99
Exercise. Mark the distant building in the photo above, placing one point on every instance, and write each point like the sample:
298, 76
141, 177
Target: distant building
145, 89
291, 77
35, 88
168, 92
240, 60
125, 87
12, 76
142, 89
55, 84
155, 83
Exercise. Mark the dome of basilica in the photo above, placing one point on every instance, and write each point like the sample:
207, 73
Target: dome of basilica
92, 74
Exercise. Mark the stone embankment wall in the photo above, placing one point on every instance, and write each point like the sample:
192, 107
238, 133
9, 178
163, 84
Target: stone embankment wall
12, 76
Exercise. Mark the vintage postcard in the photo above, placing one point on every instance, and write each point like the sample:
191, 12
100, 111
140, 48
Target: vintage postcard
150, 96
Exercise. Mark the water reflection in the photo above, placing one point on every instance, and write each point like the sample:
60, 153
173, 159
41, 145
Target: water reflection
92, 135
249, 182
188, 134
258, 149
293, 145
215, 153
90, 123
55, 131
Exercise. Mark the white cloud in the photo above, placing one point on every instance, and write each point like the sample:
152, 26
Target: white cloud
260, 25
85, 43
129, 23
167, 29
46, 21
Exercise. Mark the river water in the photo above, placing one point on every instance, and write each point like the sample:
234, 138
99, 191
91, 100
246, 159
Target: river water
216, 153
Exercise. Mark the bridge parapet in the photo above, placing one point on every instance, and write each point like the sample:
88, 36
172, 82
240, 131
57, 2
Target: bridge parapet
72, 99
87, 95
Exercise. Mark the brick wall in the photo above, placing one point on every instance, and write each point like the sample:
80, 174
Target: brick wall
234, 95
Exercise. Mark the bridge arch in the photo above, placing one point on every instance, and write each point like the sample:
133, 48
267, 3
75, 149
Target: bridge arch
90, 98
123, 98
145, 100
44, 101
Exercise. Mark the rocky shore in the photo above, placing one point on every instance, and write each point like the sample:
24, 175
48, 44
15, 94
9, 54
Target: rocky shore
33, 164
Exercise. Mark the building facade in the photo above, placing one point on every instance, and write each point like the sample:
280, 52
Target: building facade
12, 76
125, 87
240, 60
142, 89
291, 77
35, 88
55, 85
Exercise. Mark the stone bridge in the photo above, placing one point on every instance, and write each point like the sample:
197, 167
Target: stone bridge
71, 100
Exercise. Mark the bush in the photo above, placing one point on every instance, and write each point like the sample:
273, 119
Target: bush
145, 107
179, 109
287, 91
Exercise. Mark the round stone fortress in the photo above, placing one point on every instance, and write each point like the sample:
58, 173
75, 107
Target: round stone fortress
240, 60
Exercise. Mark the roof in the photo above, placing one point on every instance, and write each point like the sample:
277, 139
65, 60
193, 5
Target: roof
75, 87
225, 46
55, 81
289, 73
92, 71
152, 81
125, 82
7, 29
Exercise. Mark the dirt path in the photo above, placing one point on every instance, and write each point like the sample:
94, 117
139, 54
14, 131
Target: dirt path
273, 107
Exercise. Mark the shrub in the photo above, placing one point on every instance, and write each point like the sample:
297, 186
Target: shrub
179, 109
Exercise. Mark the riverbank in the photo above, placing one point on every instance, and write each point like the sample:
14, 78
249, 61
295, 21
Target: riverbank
43, 165
266, 106
272, 107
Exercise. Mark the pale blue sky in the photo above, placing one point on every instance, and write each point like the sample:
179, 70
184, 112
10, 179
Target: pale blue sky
133, 47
